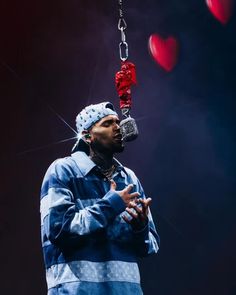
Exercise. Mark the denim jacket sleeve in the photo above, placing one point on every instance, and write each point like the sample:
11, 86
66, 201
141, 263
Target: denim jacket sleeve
63, 223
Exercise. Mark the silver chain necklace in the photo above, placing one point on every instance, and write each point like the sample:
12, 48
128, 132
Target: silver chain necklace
108, 172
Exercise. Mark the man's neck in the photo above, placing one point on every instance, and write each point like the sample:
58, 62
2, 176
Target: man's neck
103, 160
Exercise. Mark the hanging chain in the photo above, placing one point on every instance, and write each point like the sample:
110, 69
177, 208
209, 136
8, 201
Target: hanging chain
122, 25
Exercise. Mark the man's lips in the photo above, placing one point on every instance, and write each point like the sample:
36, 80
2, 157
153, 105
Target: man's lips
118, 136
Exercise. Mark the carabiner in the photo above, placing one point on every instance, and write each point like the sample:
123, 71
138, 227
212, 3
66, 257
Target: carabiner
124, 53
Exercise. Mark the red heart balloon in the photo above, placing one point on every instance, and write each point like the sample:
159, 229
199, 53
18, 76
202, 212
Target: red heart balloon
164, 51
221, 9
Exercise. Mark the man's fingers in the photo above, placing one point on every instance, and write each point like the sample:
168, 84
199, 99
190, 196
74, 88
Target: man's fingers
134, 195
113, 185
128, 188
145, 202
132, 213
126, 219
137, 208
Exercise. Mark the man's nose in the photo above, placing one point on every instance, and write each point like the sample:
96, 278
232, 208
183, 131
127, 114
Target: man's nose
116, 126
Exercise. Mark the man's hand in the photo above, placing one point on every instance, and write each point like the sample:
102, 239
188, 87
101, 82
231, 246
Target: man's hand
125, 193
138, 210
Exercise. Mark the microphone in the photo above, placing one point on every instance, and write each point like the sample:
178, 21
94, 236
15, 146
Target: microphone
129, 129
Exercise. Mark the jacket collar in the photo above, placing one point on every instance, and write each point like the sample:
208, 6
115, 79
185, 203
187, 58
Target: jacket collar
85, 164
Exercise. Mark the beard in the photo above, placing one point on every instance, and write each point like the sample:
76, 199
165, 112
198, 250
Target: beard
109, 147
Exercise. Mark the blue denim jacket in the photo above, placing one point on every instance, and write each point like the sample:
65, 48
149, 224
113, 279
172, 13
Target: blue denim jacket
88, 248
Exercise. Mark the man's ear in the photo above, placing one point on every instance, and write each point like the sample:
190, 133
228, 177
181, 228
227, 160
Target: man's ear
86, 136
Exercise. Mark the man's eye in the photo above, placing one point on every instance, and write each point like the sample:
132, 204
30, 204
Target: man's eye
106, 124
109, 123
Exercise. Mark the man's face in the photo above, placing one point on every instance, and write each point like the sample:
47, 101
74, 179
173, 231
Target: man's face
106, 136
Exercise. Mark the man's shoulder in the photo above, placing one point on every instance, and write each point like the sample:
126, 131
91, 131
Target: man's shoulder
59, 173
62, 162
61, 165
78, 164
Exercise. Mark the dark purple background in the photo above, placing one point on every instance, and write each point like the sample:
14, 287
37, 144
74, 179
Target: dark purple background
58, 56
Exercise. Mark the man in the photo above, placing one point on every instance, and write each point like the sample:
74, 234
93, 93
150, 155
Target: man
95, 218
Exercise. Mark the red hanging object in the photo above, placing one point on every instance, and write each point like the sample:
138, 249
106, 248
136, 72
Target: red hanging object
124, 79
